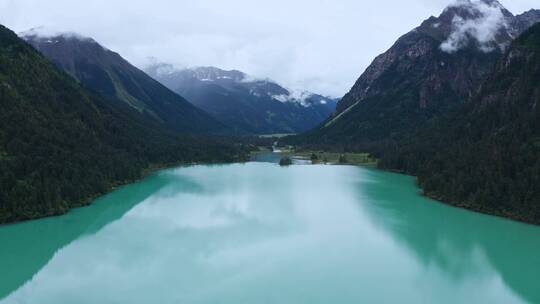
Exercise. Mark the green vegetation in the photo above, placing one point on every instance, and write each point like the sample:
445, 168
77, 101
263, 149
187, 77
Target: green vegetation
318, 157
322, 157
285, 161
114, 78
314, 158
3, 156
482, 154
63, 145
407, 94
485, 156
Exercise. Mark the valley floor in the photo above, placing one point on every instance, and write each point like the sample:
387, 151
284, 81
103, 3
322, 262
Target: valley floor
324, 157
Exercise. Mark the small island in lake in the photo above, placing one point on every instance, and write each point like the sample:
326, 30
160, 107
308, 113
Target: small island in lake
285, 161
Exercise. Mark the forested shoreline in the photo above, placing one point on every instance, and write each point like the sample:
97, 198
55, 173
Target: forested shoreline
61, 145
483, 155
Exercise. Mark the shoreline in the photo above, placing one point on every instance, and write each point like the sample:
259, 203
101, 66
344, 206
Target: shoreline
88, 201
155, 168
502, 214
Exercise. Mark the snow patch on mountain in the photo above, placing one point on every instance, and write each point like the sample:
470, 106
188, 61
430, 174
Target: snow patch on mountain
258, 87
281, 98
300, 97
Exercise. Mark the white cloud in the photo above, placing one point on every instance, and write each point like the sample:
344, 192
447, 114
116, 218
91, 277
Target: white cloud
483, 29
321, 46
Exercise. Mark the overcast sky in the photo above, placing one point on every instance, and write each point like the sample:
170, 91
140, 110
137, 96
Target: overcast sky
317, 45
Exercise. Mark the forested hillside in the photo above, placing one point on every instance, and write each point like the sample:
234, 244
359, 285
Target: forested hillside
106, 72
61, 144
486, 155
461, 114
428, 72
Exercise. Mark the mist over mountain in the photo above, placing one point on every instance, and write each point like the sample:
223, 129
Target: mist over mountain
206, 151
428, 71
454, 102
62, 144
107, 73
486, 155
247, 104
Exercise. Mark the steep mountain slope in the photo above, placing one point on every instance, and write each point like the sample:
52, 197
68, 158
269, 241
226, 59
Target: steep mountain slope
486, 155
524, 21
106, 72
424, 74
253, 106
61, 144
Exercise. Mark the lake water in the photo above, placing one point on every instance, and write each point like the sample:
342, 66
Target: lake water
260, 233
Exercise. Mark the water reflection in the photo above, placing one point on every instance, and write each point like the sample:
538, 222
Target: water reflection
460, 243
259, 233
29, 246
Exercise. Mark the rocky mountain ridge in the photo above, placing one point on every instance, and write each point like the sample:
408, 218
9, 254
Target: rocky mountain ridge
429, 71
106, 72
252, 105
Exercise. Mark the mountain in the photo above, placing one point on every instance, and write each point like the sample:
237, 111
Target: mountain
524, 21
248, 105
486, 155
107, 73
61, 144
427, 72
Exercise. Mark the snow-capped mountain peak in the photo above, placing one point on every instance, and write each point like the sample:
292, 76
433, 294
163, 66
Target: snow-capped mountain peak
257, 87
252, 104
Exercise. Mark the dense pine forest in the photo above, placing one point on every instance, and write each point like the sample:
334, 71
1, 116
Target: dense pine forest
61, 145
486, 155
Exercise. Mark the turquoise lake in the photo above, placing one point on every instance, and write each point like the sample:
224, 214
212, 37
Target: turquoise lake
260, 233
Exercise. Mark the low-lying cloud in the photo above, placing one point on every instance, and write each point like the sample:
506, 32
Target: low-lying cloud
483, 29
321, 46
